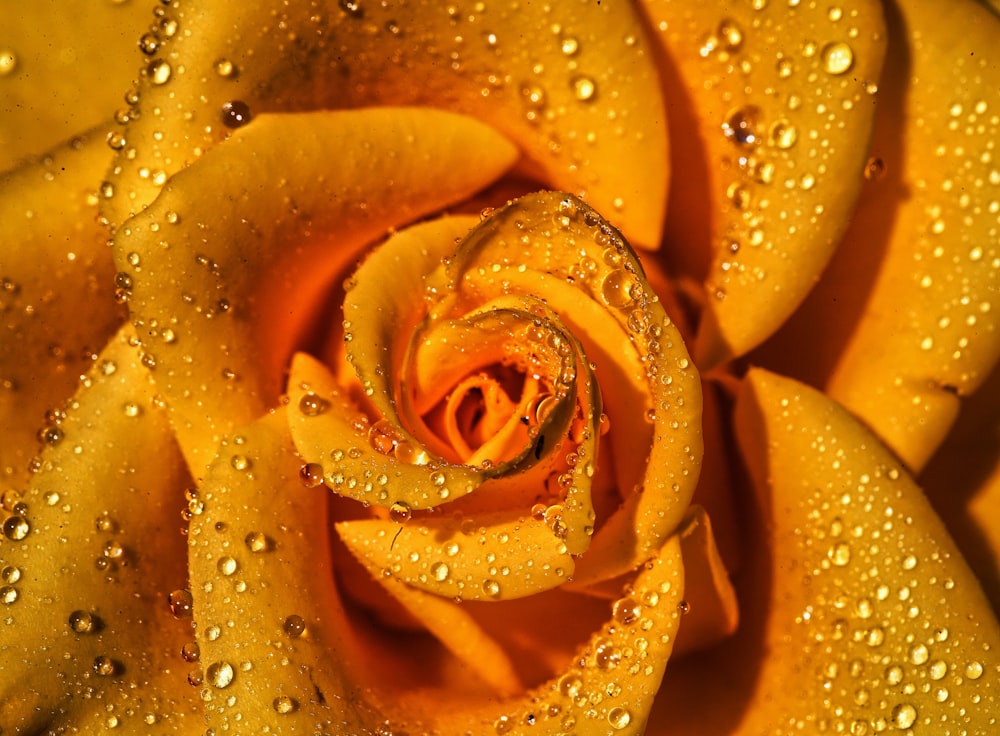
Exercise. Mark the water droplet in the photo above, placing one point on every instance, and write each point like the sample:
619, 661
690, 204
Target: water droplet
181, 603
294, 626
8, 62
258, 542
311, 475
903, 716
974, 670
874, 169
8, 595
919, 654
227, 566
491, 588
626, 611
584, 88
149, 44
840, 554
569, 45
220, 674
730, 35
10, 574
235, 114
352, 7
937, 669
191, 652
105, 666
83, 622
837, 58
741, 125
159, 71
225, 68
440, 571
285, 705
617, 288
312, 405
16, 528
400, 512
240, 462
784, 134
619, 718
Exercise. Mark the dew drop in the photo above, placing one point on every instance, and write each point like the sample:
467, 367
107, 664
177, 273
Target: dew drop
584, 88
837, 58
191, 652
149, 44
741, 125
220, 674
225, 68
626, 611
400, 512
617, 288
312, 405
874, 169
784, 134
16, 528
294, 626
440, 571
105, 666
82, 622
240, 462
619, 718
181, 603
311, 475
159, 72
974, 670
903, 716
235, 114
227, 566
8, 62
491, 588
258, 542
730, 35
840, 554
10, 574
8, 595
284, 705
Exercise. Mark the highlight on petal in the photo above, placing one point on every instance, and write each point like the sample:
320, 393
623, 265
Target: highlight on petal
928, 331
276, 649
57, 307
872, 620
64, 70
574, 86
773, 103
89, 553
231, 265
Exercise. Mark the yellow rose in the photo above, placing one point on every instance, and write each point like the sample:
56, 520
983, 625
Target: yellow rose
507, 420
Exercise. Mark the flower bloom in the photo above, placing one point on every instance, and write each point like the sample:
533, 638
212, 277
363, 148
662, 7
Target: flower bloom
502, 369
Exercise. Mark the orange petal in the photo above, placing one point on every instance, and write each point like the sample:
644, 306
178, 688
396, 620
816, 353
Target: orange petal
276, 647
63, 71
232, 261
89, 641
929, 330
774, 110
873, 621
575, 87
56, 286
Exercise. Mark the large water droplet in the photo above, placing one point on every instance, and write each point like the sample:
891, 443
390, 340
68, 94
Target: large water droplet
220, 674
837, 58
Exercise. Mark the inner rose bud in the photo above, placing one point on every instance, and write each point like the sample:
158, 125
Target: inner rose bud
478, 482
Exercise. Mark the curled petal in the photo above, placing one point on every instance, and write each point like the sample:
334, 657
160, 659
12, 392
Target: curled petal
575, 87
234, 259
928, 331
56, 290
89, 553
773, 103
872, 620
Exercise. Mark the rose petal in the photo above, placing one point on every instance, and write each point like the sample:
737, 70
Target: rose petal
772, 105
89, 641
237, 252
276, 648
871, 618
56, 290
64, 70
929, 330
574, 87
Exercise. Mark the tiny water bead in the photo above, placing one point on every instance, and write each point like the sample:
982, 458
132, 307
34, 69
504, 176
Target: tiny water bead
294, 626
235, 114
312, 405
220, 674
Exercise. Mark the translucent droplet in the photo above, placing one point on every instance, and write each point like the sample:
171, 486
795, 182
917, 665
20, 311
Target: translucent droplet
82, 622
220, 674
105, 666
312, 405
584, 88
784, 134
258, 542
159, 71
235, 114
840, 554
284, 705
8, 595
16, 528
294, 626
617, 288
626, 611
440, 571
974, 670
10, 574
181, 603
191, 652
227, 566
730, 35
148, 44
240, 462
874, 169
741, 125
903, 716
400, 512
619, 718
491, 588
837, 58
8, 62
569, 45
225, 68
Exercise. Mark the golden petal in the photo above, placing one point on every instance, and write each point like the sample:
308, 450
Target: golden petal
929, 331
575, 87
872, 620
56, 290
277, 652
773, 104
86, 566
235, 257
66, 71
